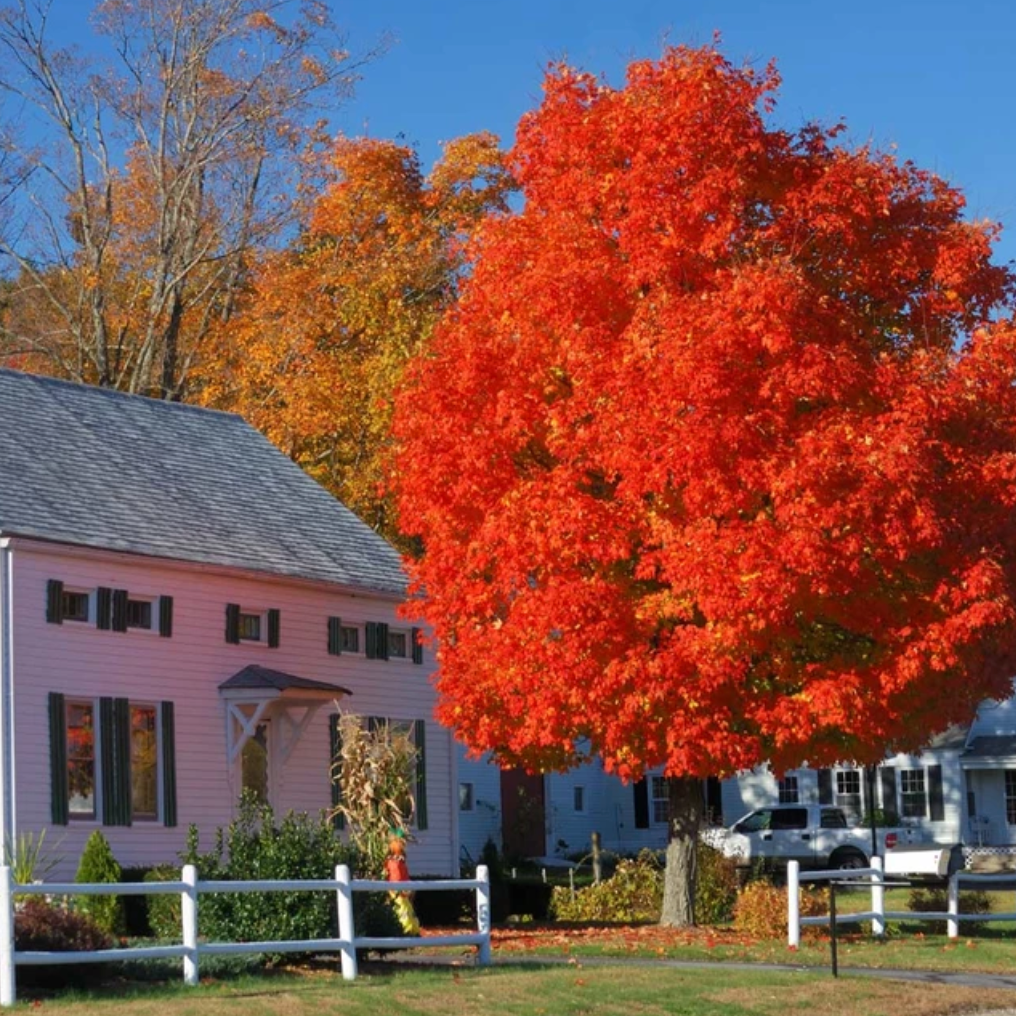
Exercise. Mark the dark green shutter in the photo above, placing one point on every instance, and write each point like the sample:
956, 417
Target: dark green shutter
889, 805
825, 786
376, 640
936, 798
417, 646
166, 616
420, 740
119, 610
54, 602
103, 607
640, 793
233, 623
115, 751
274, 621
335, 771
168, 721
58, 797
335, 636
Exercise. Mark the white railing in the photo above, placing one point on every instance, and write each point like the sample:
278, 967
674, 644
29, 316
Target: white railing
190, 889
878, 915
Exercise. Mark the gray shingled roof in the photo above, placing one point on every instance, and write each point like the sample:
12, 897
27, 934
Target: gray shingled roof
97, 468
255, 678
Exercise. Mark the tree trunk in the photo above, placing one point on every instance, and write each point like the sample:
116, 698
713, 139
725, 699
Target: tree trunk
684, 818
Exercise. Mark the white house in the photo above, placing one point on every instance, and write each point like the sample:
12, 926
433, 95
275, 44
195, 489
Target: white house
960, 789
182, 613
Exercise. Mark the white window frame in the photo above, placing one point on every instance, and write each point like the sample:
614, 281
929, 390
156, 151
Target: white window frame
659, 800
89, 618
407, 636
262, 639
907, 775
153, 602
96, 817
851, 803
788, 789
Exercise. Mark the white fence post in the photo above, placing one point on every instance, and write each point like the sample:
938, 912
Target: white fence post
878, 898
347, 931
7, 983
189, 917
483, 913
952, 925
793, 904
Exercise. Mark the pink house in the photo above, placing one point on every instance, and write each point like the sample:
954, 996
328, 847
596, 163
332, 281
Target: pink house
183, 611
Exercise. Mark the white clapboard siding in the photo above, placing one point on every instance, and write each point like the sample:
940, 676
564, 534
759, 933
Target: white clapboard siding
81, 661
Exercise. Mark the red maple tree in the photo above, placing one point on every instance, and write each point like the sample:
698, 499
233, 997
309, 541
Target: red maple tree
713, 461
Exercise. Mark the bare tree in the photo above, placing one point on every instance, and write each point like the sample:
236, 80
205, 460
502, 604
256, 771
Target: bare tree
129, 223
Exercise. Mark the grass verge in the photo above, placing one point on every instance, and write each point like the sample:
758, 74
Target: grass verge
569, 991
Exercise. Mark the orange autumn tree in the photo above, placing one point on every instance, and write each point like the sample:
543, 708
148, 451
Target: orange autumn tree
313, 358
713, 461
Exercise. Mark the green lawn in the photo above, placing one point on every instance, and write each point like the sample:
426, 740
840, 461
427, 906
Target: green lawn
578, 990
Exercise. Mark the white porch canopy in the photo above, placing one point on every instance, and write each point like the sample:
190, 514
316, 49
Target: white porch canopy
258, 693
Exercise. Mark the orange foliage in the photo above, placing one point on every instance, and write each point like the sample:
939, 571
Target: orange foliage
713, 462
313, 359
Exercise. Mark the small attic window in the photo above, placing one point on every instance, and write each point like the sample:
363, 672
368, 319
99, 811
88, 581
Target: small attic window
139, 614
249, 628
74, 606
397, 642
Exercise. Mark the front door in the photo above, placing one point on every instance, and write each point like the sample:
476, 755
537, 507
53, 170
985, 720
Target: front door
255, 764
523, 814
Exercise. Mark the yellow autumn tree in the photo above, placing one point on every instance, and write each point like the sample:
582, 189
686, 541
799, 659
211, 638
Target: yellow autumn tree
319, 345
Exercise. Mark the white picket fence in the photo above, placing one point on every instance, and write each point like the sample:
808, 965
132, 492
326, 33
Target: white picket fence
878, 915
190, 949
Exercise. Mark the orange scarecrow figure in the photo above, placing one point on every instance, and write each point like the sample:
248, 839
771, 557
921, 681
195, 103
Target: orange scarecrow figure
396, 870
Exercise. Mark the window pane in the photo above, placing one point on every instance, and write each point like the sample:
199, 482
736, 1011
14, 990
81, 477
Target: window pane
912, 793
75, 606
81, 759
579, 798
790, 818
465, 797
788, 790
661, 799
397, 643
139, 614
254, 764
250, 627
350, 640
144, 764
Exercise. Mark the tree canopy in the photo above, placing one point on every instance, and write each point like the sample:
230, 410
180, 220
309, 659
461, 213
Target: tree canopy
713, 461
313, 357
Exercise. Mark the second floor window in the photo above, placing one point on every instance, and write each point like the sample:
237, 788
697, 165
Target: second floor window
249, 627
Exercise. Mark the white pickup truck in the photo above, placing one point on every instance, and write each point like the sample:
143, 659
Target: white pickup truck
816, 835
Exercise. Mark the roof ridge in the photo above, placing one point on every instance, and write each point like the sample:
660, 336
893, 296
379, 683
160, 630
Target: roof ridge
115, 393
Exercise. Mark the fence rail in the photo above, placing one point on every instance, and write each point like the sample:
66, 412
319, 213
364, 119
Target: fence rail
878, 915
190, 889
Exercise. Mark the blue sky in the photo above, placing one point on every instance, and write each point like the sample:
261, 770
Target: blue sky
934, 78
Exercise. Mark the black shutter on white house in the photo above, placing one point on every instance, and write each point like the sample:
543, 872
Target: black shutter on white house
274, 625
889, 805
166, 616
335, 636
54, 602
167, 720
103, 607
936, 797
119, 610
825, 786
59, 796
420, 742
417, 646
376, 640
640, 793
115, 760
233, 623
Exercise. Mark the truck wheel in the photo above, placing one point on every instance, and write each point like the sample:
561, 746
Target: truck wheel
847, 859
